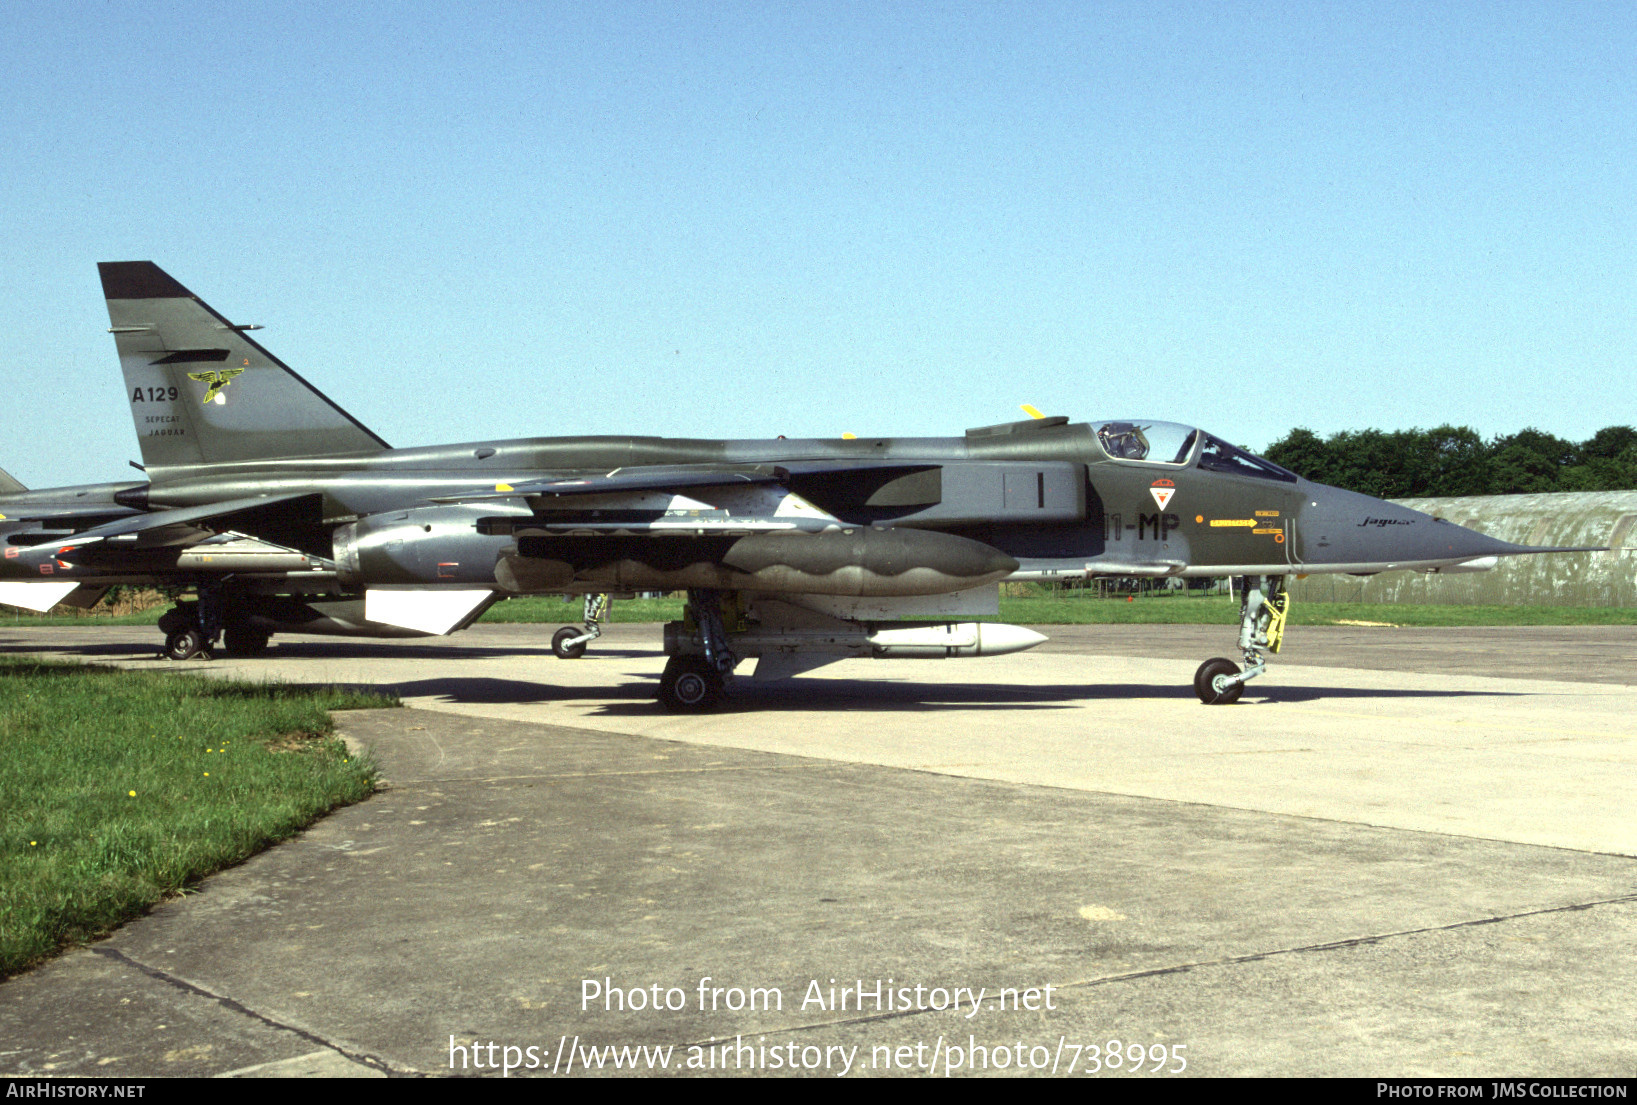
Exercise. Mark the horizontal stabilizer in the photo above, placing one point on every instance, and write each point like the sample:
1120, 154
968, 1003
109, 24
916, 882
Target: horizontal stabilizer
288, 520
430, 610
69, 514
38, 597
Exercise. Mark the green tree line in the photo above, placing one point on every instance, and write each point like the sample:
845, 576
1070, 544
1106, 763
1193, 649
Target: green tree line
1454, 460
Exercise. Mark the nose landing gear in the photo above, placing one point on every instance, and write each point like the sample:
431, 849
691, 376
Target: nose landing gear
1219, 681
568, 642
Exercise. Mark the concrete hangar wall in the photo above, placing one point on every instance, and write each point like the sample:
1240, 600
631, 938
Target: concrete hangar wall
1558, 579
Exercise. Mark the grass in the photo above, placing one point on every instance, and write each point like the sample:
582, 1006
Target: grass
121, 788
551, 609
1409, 614
1039, 606
1221, 610
93, 616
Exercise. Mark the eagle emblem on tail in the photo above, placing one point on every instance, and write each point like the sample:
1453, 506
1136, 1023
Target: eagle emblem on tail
217, 381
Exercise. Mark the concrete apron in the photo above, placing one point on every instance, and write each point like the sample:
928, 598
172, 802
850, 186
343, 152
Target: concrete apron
1238, 881
1526, 760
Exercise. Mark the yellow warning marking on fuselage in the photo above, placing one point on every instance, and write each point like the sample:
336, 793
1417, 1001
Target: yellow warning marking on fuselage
1267, 531
1267, 514
503, 487
1219, 523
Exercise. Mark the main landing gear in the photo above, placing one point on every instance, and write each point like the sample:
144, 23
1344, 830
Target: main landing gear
568, 642
1262, 613
192, 628
696, 683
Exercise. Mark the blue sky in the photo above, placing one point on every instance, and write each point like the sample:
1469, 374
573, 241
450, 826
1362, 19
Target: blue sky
473, 220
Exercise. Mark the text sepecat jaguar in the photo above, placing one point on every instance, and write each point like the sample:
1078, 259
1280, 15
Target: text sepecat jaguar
794, 552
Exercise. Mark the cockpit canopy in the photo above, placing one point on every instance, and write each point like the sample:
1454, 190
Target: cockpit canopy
1169, 444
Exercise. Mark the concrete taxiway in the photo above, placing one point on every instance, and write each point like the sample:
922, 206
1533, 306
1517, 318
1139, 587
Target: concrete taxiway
1403, 852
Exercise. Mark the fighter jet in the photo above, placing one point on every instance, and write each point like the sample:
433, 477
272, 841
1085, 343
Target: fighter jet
795, 553
258, 587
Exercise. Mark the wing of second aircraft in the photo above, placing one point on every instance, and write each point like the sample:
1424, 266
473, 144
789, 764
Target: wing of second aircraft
283, 519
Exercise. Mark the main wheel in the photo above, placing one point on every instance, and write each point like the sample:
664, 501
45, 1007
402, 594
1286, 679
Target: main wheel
241, 640
178, 617
560, 643
690, 685
1208, 682
184, 644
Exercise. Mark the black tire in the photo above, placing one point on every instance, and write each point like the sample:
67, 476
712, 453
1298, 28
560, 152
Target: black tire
179, 617
185, 644
690, 685
1205, 682
560, 645
241, 640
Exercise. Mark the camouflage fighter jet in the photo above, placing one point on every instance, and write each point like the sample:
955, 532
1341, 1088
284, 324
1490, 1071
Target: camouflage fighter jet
254, 586
794, 552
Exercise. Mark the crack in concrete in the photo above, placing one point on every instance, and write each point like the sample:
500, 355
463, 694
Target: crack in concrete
362, 1058
1225, 961
1352, 942
456, 780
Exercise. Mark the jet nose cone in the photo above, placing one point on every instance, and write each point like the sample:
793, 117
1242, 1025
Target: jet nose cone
1357, 532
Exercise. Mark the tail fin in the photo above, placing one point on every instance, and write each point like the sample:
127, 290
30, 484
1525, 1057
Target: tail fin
8, 485
202, 392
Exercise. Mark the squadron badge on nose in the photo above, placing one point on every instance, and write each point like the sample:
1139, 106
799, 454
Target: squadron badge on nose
1162, 490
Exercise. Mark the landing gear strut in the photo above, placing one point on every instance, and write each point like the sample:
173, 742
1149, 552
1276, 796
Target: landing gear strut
568, 642
192, 629
697, 683
1219, 682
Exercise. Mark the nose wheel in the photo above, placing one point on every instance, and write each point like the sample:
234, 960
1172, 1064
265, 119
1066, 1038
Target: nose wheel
1219, 681
568, 643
